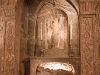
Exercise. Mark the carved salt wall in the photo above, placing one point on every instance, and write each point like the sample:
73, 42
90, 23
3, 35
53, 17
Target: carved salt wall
10, 22
32, 7
88, 37
24, 30
9, 64
9, 55
9, 36
87, 44
23, 37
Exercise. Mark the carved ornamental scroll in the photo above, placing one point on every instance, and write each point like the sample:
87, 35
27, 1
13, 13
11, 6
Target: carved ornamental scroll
89, 37
7, 38
9, 65
87, 44
7, 42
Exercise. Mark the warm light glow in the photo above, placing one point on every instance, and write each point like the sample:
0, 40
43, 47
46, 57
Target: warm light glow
58, 66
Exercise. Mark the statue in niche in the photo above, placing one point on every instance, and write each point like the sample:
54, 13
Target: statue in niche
49, 35
61, 40
56, 33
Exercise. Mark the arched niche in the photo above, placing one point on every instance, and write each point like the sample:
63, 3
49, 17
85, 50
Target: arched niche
52, 29
47, 14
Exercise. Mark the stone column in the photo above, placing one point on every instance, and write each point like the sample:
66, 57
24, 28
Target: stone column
88, 37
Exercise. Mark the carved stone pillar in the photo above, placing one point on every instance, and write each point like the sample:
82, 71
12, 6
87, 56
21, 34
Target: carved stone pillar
88, 37
9, 36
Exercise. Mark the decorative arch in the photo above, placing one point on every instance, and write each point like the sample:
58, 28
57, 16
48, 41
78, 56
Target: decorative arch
63, 6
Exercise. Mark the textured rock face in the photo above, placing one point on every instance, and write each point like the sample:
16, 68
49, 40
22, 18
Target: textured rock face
16, 30
54, 66
10, 22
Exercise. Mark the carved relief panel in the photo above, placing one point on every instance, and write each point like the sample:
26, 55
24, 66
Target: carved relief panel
87, 27
9, 12
88, 7
9, 64
8, 54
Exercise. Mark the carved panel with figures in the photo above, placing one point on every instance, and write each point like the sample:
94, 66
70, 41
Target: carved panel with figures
9, 65
87, 44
